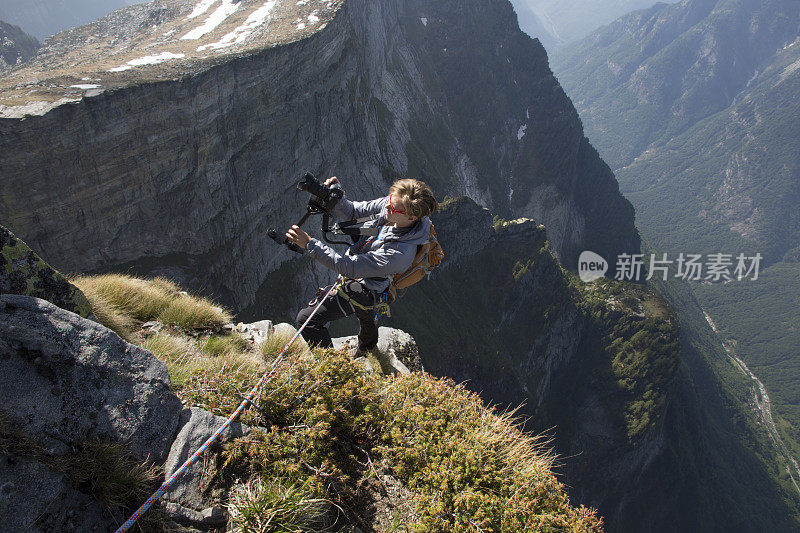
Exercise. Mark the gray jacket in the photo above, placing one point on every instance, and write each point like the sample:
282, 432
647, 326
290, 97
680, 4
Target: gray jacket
372, 260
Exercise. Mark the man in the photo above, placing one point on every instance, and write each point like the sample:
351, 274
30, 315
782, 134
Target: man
369, 264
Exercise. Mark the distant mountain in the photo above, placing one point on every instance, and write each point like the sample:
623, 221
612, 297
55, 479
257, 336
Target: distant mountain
43, 18
695, 106
16, 46
568, 20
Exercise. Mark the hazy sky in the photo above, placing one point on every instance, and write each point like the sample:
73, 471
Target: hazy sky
555, 22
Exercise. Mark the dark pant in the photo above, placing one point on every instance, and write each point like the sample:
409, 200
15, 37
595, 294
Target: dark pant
335, 307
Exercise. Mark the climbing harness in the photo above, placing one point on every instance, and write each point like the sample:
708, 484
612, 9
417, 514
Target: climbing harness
242, 406
381, 305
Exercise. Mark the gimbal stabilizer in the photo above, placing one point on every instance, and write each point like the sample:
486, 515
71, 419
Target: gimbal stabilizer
323, 199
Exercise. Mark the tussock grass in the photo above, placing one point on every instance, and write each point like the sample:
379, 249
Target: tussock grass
112, 476
105, 470
272, 346
262, 505
138, 298
185, 357
223, 345
107, 312
120, 301
190, 312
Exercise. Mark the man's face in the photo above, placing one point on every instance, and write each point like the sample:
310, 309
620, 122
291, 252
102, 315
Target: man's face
396, 215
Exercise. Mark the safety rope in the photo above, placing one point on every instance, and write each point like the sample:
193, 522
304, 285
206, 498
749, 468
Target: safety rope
242, 406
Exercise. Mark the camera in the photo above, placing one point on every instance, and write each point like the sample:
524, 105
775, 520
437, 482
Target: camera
323, 198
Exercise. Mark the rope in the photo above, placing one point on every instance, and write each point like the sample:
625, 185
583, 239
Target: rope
242, 406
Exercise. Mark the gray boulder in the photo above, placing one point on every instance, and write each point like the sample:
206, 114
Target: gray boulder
396, 351
257, 332
65, 379
196, 426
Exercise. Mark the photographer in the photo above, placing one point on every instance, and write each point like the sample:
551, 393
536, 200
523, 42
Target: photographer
369, 264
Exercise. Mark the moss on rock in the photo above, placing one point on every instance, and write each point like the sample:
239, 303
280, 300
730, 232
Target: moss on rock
23, 272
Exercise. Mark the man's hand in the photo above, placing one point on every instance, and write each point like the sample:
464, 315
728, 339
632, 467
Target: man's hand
332, 180
298, 236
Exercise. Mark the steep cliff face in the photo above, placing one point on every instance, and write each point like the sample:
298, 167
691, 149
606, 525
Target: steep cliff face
180, 167
16, 46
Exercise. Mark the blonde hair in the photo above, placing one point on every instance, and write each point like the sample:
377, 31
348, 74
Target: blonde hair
415, 197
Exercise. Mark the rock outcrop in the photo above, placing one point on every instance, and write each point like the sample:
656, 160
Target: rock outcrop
67, 379
396, 352
23, 272
188, 501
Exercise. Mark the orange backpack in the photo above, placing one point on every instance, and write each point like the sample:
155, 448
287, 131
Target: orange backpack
429, 255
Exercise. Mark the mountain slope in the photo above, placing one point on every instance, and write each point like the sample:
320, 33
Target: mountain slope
16, 46
570, 20
651, 75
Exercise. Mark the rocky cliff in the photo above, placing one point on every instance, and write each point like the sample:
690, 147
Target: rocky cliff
16, 46
174, 132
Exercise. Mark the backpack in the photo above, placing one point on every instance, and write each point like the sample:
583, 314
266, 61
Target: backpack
429, 255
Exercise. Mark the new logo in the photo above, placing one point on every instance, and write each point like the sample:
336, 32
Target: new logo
591, 266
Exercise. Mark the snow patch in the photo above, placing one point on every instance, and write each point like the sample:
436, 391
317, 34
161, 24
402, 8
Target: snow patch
147, 60
216, 18
521, 132
85, 86
302, 2
201, 8
424, 21
238, 35
313, 18
301, 26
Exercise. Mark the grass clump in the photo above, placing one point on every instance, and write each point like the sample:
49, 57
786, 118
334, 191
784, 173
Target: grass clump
113, 477
121, 302
272, 346
139, 299
271, 505
224, 345
186, 357
191, 312
102, 469
472, 468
